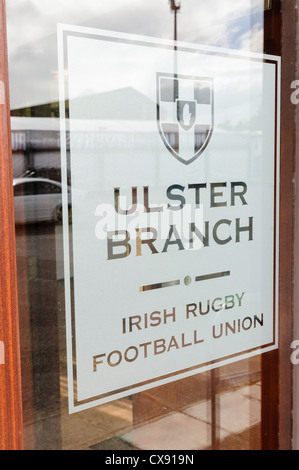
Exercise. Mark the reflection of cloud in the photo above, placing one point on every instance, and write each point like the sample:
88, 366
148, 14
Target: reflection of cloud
213, 24
32, 32
253, 39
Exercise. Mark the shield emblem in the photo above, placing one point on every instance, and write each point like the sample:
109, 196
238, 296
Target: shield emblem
185, 114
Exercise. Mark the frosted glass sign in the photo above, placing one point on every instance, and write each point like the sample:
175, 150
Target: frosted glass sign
170, 233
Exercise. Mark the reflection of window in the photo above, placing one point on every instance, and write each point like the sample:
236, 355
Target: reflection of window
46, 188
19, 189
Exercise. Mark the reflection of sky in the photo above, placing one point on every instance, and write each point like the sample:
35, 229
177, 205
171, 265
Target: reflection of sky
244, 29
32, 32
238, 83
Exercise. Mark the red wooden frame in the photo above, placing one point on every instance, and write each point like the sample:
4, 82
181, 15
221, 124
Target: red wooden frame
10, 371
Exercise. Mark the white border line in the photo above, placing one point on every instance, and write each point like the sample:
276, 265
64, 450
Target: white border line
66, 246
61, 29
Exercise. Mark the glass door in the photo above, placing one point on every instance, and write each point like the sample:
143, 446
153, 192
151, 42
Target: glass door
109, 114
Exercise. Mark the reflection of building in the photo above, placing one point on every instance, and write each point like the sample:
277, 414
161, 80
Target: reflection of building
35, 147
36, 138
135, 105
112, 121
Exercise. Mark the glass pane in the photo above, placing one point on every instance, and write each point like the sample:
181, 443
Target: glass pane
214, 409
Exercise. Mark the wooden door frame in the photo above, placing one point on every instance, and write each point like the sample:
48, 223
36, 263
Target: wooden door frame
11, 427
295, 403
280, 31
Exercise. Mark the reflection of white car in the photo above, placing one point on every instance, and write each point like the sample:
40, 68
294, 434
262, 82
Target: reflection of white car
37, 200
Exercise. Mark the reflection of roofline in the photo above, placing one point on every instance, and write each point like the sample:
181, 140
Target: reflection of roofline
116, 95
30, 123
23, 124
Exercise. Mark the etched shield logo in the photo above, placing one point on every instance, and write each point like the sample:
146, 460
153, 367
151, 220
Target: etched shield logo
185, 114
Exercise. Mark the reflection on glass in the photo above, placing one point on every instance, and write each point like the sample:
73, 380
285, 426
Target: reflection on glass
212, 410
